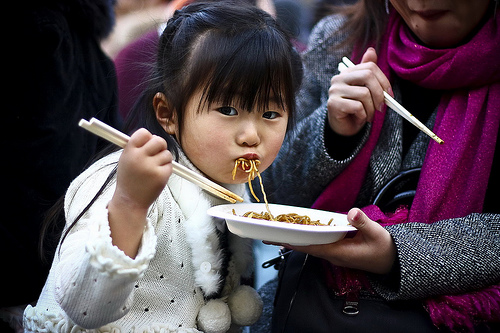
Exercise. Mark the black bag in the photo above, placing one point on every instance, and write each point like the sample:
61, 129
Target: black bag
399, 191
304, 304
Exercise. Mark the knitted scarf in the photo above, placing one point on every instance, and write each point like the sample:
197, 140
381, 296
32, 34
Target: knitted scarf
454, 175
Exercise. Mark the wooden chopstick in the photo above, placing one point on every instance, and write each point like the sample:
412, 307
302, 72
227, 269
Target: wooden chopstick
393, 104
120, 139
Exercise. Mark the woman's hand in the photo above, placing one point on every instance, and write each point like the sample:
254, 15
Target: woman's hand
355, 94
143, 171
371, 249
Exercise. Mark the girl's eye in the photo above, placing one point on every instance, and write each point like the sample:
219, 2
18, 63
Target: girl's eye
228, 111
271, 115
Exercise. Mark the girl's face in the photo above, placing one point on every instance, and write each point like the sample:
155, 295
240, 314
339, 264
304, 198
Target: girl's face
442, 23
214, 137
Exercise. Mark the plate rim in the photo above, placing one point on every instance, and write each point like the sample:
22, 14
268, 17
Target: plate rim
216, 212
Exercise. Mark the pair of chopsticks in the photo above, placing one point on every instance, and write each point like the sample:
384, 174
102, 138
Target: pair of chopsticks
120, 139
393, 104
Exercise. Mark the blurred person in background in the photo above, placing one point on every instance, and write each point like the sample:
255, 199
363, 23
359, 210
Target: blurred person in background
133, 19
59, 75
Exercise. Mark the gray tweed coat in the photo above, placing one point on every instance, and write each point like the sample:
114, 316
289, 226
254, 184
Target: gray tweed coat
429, 260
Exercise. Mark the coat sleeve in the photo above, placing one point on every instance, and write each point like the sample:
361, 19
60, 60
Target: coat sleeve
95, 279
446, 257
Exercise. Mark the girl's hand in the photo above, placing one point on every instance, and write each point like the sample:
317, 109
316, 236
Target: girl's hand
143, 171
355, 94
371, 249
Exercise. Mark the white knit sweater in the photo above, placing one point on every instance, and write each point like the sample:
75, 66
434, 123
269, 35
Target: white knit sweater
94, 285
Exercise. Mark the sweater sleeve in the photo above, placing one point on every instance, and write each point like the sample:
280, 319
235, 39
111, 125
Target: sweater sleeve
95, 279
446, 257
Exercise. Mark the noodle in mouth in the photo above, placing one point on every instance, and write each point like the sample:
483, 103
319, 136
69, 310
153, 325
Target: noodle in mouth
251, 167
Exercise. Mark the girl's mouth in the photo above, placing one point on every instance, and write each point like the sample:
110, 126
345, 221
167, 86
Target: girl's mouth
249, 166
250, 156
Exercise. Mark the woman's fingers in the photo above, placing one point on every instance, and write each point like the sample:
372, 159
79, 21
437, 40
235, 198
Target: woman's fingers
370, 77
371, 249
376, 249
355, 94
370, 56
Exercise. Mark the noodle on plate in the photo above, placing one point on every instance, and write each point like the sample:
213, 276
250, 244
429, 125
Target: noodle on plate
251, 167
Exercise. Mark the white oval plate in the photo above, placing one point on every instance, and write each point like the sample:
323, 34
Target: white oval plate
281, 232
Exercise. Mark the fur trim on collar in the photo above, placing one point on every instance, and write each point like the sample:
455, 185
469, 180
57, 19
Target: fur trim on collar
202, 235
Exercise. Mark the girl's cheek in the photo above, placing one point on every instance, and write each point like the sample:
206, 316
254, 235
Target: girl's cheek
273, 151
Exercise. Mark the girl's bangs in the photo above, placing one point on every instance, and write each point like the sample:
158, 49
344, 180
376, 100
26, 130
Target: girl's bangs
247, 71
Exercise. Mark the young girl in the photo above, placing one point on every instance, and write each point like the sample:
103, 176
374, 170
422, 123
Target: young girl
139, 253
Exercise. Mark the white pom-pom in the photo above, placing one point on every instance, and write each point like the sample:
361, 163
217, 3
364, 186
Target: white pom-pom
245, 305
214, 317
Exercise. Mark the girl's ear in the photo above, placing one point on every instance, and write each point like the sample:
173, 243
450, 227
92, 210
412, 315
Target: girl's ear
165, 113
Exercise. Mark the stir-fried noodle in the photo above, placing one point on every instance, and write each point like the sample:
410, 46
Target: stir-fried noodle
251, 167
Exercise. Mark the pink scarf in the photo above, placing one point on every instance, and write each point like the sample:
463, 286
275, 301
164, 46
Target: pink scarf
454, 175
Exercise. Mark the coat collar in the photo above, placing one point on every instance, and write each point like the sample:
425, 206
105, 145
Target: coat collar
202, 232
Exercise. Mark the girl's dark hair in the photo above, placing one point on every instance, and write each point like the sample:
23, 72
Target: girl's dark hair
232, 51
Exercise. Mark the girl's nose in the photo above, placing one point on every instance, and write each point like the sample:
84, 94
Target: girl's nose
249, 135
